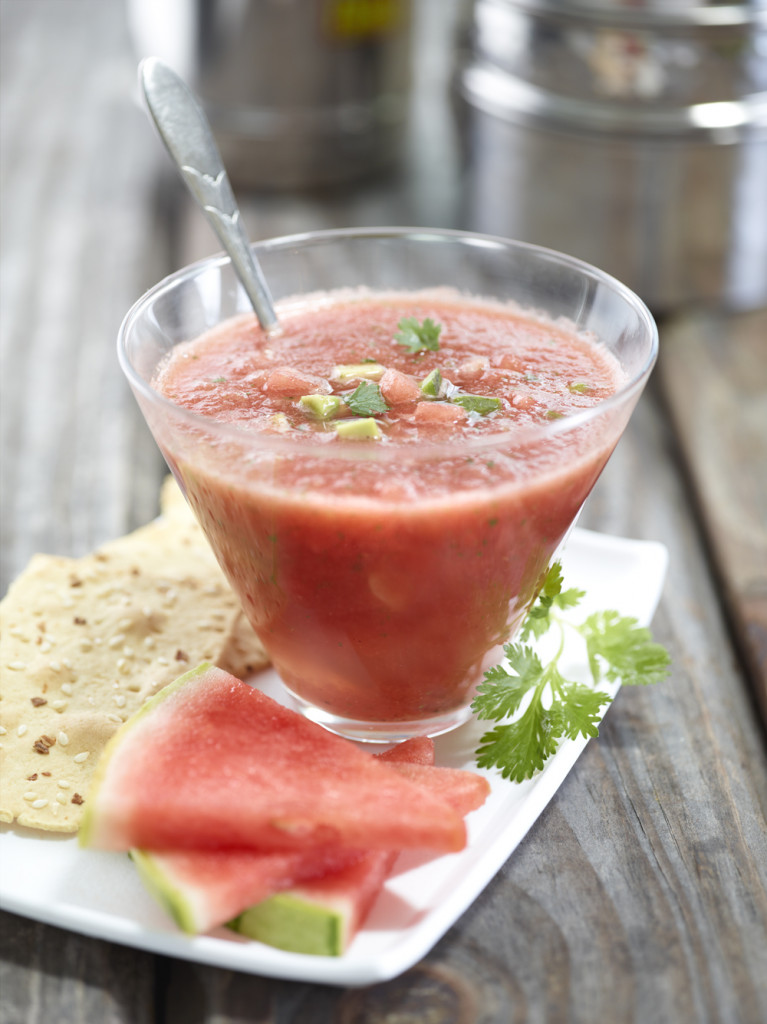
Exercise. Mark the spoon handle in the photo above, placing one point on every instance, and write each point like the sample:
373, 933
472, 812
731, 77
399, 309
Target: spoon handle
184, 129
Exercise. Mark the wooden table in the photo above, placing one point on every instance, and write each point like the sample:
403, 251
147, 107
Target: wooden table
640, 895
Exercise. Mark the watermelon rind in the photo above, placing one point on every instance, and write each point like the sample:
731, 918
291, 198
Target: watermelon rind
294, 924
85, 835
165, 892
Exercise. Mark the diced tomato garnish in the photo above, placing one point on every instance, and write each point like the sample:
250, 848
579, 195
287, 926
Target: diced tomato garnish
438, 412
287, 382
471, 370
398, 389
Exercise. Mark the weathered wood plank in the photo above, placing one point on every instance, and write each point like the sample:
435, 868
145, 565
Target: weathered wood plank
714, 373
81, 241
51, 975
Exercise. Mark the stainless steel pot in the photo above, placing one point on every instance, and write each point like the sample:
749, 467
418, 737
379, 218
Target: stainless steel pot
634, 137
298, 92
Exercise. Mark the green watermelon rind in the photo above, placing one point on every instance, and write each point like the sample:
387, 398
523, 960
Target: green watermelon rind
168, 895
294, 924
114, 743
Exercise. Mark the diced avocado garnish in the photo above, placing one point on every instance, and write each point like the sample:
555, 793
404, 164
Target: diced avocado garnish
578, 387
359, 429
321, 407
431, 384
365, 371
481, 404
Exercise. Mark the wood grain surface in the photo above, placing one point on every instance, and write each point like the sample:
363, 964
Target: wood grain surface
640, 896
714, 374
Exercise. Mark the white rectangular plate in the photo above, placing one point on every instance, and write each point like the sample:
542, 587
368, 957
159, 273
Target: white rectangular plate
50, 879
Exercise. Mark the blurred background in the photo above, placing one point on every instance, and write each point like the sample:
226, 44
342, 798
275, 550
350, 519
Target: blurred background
631, 133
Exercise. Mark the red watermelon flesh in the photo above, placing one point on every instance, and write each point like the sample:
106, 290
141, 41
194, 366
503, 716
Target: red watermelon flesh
416, 750
202, 889
464, 791
212, 763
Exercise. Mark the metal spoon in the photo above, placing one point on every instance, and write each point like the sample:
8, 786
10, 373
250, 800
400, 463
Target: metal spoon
184, 129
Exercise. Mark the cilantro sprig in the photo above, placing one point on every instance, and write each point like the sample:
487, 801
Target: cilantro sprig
535, 705
417, 337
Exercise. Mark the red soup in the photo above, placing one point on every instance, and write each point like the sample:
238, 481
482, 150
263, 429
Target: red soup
388, 503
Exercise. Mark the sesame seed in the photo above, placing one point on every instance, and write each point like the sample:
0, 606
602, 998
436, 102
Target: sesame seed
125, 623
163, 661
116, 640
3, 730
128, 651
66, 688
121, 662
114, 718
83, 756
119, 700
55, 808
38, 804
30, 795
58, 705
149, 641
21, 729
17, 666
63, 738
67, 602
19, 635
66, 662
63, 784
54, 666
46, 647
61, 798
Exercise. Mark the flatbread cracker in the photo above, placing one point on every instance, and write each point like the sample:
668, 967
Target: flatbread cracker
84, 642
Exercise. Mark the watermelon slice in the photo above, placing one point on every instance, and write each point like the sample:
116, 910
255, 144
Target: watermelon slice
323, 915
212, 763
202, 889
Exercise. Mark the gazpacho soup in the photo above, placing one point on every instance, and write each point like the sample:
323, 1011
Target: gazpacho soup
388, 479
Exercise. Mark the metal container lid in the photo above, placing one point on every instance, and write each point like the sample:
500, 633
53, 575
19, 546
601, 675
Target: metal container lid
499, 94
651, 13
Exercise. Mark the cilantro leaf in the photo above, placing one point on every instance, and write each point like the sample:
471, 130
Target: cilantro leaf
521, 748
622, 649
582, 710
366, 399
550, 595
500, 694
480, 404
417, 337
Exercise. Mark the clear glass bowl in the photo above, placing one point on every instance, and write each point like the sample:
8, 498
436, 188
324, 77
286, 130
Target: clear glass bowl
383, 578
